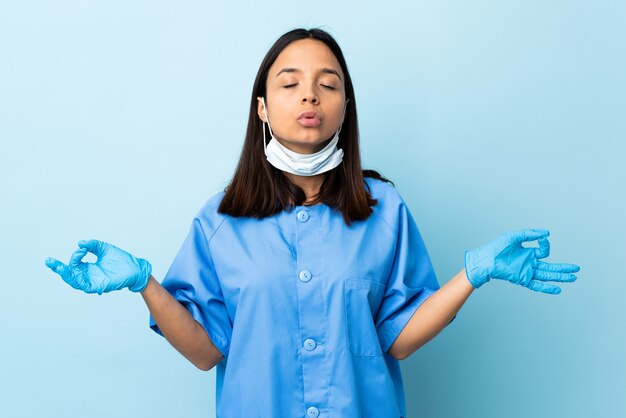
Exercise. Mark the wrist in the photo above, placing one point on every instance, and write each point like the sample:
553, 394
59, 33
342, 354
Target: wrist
142, 278
476, 275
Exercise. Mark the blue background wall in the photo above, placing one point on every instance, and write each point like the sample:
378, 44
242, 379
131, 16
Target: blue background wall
118, 120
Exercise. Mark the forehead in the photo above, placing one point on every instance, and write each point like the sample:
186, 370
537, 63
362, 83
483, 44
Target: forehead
306, 54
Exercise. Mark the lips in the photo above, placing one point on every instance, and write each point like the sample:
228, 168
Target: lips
309, 119
308, 114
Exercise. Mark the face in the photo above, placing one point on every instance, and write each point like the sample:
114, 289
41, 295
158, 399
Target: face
306, 76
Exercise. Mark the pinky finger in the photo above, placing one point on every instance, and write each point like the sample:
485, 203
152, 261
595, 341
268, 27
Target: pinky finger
538, 286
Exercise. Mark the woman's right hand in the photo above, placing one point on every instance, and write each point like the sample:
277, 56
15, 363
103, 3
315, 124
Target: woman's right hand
115, 269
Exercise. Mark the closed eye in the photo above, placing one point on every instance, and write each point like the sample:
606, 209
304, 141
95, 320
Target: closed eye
323, 85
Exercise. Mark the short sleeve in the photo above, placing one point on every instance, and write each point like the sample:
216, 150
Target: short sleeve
192, 280
411, 281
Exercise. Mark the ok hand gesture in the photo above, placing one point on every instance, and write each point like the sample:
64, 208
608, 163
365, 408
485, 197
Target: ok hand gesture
115, 269
506, 259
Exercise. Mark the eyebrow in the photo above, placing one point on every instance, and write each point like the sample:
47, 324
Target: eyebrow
297, 70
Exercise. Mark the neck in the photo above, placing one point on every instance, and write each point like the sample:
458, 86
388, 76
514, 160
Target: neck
310, 184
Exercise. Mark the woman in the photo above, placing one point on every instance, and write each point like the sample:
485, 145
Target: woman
302, 280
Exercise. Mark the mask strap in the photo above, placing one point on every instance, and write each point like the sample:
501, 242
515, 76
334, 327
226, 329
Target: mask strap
343, 117
264, 144
267, 117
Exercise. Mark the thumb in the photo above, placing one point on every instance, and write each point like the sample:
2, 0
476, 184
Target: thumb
57, 266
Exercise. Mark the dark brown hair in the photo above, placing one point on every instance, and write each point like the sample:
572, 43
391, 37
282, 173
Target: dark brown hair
258, 189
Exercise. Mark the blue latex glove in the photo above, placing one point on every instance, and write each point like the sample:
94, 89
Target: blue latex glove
506, 259
115, 269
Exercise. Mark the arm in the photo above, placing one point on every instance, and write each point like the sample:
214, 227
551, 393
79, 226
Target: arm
506, 259
179, 327
432, 316
117, 269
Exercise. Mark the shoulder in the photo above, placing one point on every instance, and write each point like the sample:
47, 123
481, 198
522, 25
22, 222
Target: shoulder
391, 207
208, 218
386, 193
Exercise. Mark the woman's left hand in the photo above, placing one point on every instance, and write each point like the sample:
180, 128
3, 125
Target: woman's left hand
506, 259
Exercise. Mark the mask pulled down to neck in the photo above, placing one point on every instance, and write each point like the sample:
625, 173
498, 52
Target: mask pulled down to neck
293, 162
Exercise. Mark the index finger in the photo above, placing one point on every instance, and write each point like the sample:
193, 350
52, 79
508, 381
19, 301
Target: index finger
526, 235
77, 257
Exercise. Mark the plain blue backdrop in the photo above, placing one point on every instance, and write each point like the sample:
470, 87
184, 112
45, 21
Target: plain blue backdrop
118, 120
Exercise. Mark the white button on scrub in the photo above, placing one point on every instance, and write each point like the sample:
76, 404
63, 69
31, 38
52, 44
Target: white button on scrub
303, 215
312, 412
310, 344
305, 275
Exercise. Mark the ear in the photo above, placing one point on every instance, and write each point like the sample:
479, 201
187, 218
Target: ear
260, 111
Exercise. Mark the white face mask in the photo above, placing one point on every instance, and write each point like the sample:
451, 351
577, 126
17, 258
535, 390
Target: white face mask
302, 164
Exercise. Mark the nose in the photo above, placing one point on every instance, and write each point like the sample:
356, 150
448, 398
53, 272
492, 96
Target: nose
310, 98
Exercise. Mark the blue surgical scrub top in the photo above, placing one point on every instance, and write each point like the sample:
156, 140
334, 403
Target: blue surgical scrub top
303, 307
